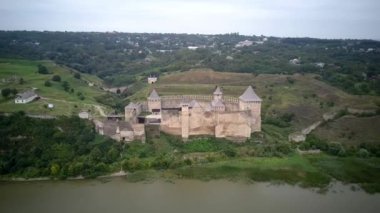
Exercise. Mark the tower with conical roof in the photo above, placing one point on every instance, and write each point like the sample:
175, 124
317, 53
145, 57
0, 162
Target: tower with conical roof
249, 101
217, 102
154, 102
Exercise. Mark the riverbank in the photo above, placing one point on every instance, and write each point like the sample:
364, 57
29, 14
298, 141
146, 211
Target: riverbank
310, 171
80, 177
306, 171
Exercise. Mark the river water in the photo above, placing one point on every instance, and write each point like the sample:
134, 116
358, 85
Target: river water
118, 195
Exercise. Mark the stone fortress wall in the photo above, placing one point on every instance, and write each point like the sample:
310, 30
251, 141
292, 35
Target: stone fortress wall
188, 115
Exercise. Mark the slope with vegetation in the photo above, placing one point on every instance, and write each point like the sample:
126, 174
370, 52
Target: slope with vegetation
68, 90
68, 147
305, 98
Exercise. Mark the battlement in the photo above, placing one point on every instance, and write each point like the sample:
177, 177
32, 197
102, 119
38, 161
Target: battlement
227, 99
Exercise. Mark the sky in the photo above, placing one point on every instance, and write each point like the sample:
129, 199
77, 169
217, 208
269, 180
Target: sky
358, 19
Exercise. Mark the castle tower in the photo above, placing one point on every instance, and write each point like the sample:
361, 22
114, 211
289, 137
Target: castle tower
131, 111
218, 94
185, 120
154, 102
217, 102
251, 102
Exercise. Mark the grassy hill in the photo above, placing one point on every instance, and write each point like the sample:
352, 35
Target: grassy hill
302, 95
65, 102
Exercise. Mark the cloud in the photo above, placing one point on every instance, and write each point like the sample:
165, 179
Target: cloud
313, 18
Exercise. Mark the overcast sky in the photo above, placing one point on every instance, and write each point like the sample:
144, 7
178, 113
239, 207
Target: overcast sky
285, 18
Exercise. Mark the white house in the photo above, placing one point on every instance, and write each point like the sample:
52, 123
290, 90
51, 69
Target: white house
192, 47
84, 115
295, 61
25, 97
152, 79
245, 43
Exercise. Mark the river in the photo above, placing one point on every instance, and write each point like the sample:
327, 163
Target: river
118, 195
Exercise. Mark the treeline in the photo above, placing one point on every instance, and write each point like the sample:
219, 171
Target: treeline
353, 65
69, 147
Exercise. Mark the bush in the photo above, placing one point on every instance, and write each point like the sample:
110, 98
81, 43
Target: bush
77, 75
47, 84
66, 86
363, 153
42, 69
335, 148
230, 152
56, 78
290, 80
276, 122
6, 92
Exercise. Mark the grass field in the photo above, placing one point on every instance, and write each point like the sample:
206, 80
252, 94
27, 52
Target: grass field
66, 103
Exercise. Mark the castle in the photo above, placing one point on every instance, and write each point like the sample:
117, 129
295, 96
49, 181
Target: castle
201, 115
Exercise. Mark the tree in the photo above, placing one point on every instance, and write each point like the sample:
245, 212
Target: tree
77, 75
66, 86
56, 78
5, 92
47, 84
42, 69
54, 169
95, 154
14, 91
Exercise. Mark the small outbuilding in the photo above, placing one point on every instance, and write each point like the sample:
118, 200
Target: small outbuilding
84, 115
152, 79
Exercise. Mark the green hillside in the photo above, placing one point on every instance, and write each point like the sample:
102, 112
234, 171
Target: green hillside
80, 95
303, 96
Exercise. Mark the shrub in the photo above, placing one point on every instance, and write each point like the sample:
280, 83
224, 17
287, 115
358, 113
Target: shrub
77, 75
363, 153
6, 92
230, 152
290, 80
56, 78
42, 69
47, 84
335, 149
66, 86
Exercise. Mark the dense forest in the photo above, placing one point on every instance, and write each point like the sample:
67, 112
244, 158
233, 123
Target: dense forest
123, 58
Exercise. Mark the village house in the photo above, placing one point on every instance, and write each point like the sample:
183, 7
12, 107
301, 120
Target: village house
245, 43
152, 79
25, 97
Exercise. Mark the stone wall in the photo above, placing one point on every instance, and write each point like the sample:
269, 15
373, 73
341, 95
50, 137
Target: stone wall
154, 104
232, 124
201, 123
